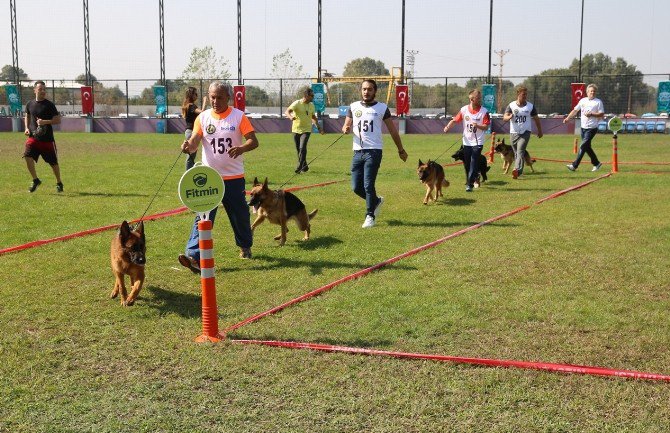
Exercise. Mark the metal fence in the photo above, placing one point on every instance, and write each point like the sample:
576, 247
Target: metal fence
428, 95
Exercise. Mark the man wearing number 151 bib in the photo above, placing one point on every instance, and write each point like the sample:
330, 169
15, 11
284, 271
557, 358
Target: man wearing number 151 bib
226, 134
365, 118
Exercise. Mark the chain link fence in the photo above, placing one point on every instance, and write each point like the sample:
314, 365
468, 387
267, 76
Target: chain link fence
429, 96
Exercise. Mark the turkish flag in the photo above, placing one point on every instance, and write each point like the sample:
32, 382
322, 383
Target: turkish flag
578, 92
87, 100
240, 98
401, 99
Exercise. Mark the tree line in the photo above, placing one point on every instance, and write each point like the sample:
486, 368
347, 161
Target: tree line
620, 84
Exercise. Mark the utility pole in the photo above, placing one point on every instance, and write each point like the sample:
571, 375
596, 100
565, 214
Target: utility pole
501, 54
411, 57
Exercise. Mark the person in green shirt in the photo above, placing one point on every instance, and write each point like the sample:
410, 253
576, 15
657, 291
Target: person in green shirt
303, 114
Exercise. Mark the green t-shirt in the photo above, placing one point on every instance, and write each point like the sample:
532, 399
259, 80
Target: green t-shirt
303, 113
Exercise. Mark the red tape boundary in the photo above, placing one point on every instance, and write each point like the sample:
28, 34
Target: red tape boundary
172, 212
544, 366
606, 162
552, 367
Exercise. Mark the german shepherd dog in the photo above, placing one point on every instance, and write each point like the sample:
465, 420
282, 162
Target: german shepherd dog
431, 174
278, 207
128, 257
507, 153
482, 165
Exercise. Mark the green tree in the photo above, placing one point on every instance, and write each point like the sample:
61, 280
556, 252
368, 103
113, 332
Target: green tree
364, 67
204, 64
256, 97
81, 79
291, 72
7, 74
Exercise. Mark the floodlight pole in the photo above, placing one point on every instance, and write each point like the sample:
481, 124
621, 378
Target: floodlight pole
161, 24
239, 42
87, 46
581, 37
488, 80
15, 43
318, 55
402, 46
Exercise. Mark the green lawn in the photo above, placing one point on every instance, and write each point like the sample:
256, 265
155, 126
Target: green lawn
581, 279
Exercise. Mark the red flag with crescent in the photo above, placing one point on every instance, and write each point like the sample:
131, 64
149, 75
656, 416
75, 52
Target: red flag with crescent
578, 92
240, 98
87, 100
401, 99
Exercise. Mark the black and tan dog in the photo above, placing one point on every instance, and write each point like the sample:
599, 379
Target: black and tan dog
482, 166
278, 207
128, 257
431, 174
507, 154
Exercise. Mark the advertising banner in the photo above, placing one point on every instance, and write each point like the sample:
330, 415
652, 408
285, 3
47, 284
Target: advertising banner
161, 100
14, 99
489, 97
663, 98
319, 97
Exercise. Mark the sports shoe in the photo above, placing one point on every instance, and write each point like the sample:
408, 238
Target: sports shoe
379, 206
571, 167
59, 187
305, 169
515, 174
597, 167
189, 262
369, 222
36, 183
245, 253
468, 188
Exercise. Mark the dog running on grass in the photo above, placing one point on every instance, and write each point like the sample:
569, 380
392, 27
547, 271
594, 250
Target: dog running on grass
279, 206
431, 174
128, 257
481, 165
507, 153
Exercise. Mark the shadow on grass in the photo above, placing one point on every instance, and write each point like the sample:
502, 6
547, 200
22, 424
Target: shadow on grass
316, 243
108, 194
356, 342
458, 201
165, 301
316, 267
397, 223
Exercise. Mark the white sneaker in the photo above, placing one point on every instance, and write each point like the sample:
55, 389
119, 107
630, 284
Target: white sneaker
379, 206
571, 167
369, 222
597, 167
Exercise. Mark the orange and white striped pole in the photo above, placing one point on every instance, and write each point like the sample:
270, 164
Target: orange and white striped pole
615, 154
574, 147
210, 314
493, 147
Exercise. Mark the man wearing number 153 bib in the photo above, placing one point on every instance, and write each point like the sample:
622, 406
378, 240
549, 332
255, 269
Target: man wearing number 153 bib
226, 134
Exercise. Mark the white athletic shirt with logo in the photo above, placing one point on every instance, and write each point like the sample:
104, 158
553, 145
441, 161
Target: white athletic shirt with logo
220, 133
367, 124
472, 137
520, 122
586, 106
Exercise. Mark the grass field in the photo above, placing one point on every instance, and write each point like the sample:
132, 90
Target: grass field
581, 279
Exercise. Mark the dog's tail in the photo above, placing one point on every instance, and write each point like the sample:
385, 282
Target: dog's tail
312, 214
445, 182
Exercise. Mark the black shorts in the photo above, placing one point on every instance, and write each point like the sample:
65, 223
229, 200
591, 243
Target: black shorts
46, 149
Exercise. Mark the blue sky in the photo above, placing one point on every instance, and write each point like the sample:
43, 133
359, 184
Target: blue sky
451, 36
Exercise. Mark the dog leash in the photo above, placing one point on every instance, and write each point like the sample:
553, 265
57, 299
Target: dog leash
313, 159
159, 188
